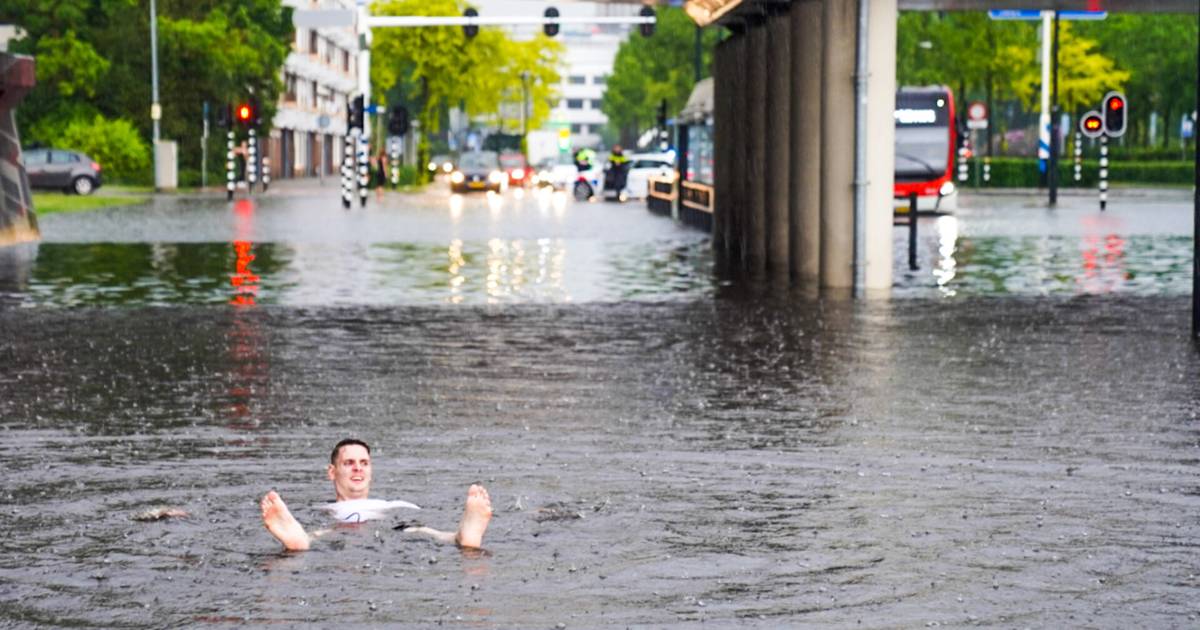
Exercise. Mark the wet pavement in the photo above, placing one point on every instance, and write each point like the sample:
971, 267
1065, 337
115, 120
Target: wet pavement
665, 446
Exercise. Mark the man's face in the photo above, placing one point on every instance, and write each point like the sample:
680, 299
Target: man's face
351, 474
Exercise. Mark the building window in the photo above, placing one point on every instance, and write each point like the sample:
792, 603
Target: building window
576, 128
574, 103
345, 61
315, 95
596, 103
577, 79
600, 79
313, 41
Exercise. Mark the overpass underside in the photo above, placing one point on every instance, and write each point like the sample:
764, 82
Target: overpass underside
804, 146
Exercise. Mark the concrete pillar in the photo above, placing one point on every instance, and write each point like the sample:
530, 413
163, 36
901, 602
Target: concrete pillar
881, 132
722, 152
837, 159
756, 114
778, 137
804, 196
739, 173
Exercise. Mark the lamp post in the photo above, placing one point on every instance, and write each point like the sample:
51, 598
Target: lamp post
524, 102
155, 108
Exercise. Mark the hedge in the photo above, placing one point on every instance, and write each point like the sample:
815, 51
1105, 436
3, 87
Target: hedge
1023, 173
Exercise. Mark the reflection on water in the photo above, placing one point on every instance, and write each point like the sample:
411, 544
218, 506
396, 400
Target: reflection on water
500, 270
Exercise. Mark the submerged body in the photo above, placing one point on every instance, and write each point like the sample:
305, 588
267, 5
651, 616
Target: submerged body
359, 510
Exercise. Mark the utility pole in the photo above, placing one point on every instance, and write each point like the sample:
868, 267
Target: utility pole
524, 103
1052, 166
155, 108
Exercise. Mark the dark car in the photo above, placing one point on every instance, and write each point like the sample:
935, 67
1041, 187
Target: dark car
69, 171
478, 171
516, 168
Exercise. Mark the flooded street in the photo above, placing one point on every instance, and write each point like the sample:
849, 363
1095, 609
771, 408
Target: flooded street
1012, 442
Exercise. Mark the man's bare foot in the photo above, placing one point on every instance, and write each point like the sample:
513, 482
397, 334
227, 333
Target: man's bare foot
282, 525
476, 515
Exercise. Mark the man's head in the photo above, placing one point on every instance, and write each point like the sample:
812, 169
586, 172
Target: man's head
350, 469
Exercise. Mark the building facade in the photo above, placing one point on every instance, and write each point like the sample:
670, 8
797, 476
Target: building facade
319, 75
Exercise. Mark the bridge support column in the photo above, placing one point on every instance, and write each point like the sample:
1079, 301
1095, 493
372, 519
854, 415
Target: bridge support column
838, 22
804, 194
18, 223
756, 113
778, 137
738, 131
881, 133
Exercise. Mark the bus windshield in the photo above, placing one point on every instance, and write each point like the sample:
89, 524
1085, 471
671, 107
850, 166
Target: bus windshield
922, 135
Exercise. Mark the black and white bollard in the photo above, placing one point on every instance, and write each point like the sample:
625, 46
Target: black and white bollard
251, 162
266, 172
394, 156
229, 164
1103, 171
364, 174
348, 170
1078, 157
962, 163
987, 170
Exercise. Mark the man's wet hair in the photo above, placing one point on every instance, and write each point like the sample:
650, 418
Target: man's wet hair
346, 442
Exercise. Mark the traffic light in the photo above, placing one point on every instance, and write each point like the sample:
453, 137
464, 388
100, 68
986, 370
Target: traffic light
244, 114
354, 113
550, 28
646, 29
1092, 124
398, 120
225, 116
662, 114
1115, 114
470, 30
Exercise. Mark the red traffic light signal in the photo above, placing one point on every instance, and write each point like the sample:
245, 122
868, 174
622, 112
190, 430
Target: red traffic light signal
1092, 124
1116, 112
244, 113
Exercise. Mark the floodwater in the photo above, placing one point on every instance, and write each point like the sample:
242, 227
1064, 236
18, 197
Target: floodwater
664, 446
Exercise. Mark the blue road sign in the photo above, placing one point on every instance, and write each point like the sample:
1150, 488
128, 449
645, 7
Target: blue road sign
1034, 14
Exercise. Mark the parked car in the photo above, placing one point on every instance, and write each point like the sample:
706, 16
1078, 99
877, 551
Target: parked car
69, 171
516, 168
478, 171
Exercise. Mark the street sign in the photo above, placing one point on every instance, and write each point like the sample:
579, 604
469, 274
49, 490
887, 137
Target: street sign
1034, 14
977, 114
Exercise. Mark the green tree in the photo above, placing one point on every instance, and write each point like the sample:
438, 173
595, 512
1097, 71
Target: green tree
1159, 53
209, 50
650, 69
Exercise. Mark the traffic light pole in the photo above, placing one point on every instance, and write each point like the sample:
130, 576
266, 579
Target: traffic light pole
1052, 166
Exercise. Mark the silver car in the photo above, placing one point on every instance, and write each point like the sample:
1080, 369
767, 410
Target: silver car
69, 171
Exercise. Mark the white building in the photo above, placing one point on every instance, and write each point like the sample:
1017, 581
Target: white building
319, 74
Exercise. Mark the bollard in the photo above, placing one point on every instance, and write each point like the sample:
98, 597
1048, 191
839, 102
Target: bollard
1078, 157
364, 175
1103, 171
395, 157
912, 231
987, 170
962, 163
229, 175
347, 170
266, 172
251, 162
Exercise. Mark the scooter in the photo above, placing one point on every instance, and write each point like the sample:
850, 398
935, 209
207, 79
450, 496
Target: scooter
586, 184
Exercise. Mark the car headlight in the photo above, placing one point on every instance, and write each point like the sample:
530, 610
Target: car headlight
495, 177
456, 177
432, 166
447, 167
947, 189
518, 173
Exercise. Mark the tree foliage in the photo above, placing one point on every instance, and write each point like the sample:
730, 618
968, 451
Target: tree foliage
1151, 56
444, 68
650, 69
93, 58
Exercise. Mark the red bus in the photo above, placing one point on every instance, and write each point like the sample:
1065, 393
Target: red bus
926, 141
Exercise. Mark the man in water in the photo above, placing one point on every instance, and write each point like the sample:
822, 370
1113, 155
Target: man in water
350, 472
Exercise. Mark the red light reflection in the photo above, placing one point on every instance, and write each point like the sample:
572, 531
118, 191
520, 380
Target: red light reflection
244, 281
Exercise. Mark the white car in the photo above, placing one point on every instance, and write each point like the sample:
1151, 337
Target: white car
642, 166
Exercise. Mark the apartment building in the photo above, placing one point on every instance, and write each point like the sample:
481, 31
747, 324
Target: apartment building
319, 74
